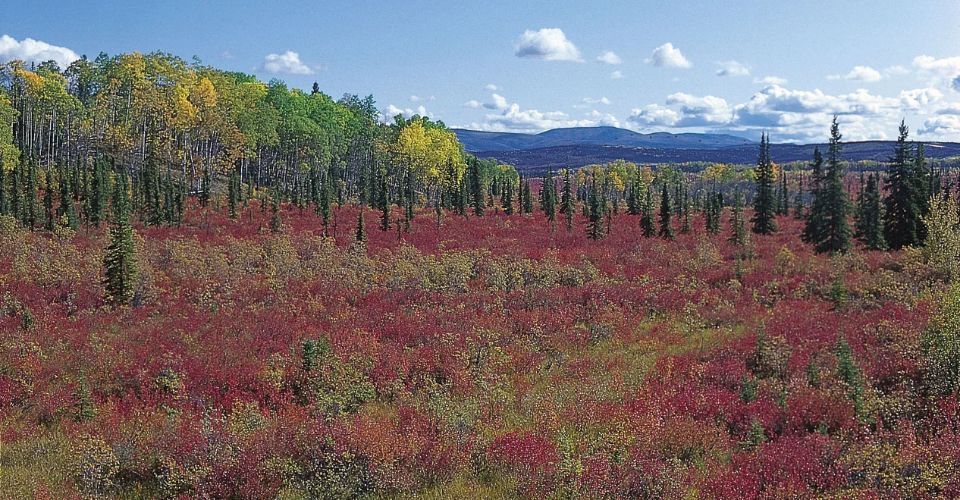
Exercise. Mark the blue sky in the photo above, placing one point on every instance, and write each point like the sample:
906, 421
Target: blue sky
684, 66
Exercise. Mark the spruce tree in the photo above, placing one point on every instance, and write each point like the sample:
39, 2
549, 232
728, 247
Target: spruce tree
666, 229
507, 199
476, 187
902, 215
49, 219
798, 208
764, 209
361, 233
119, 260
869, 224
527, 206
566, 201
835, 236
783, 204
548, 198
813, 229
323, 204
30, 197
384, 202
595, 213
646, 219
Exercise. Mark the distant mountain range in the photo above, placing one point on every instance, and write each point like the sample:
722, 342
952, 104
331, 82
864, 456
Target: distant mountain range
474, 140
576, 147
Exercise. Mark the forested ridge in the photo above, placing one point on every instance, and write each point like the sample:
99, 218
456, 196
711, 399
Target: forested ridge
179, 128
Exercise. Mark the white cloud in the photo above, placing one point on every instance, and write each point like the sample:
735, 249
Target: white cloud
491, 87
732, 68
603, 119
549, 44
942, 127
591, 100
771, 80
654, 114
947, 65
917, 99
609, 57
859, 74
390, 111
286, 63
803, 115
498, 102
668, 56
616, 75
473, 103
939, 72
34, 51
416, 98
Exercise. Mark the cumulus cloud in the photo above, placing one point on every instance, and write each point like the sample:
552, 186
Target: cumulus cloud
34, 51
917, 99
616, 75
609, 57
939, 72
732, 68
416, 98
946, 65
859, 74
668, 56
943, 126
390, 111
473, 103
491, 87
286, 63
497, 102
802, 115
549, 44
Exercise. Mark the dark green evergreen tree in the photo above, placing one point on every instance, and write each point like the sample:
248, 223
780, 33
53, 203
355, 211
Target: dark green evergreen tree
527, 206
835, 236
666, 229
361, 233
49, 218
764, 205
798, 209
566, 201
902, 212
119, 261
507, 199
646, 219
595, 213
813, 229
869, 224
476, 187
384, 201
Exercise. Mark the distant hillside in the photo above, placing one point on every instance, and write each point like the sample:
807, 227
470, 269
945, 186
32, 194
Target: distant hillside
538, 161
474, 140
